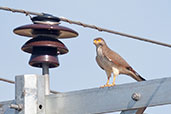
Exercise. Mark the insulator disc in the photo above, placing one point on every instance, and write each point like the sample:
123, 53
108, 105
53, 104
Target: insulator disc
38, 60
44, 41
57, 31
44, 55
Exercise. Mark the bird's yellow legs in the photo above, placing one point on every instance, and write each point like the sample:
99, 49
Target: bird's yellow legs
114, 78
109, 85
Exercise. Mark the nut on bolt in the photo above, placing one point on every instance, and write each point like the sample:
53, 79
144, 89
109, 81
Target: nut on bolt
136, 96
16, 106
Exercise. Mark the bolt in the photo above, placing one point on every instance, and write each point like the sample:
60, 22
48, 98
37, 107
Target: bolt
136, 96
16, 106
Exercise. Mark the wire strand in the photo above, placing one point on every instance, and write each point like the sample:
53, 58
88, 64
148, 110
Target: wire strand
114, 32
89, 26
20, 11
12, 82
8, 81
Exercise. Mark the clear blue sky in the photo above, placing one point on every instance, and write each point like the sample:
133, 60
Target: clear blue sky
78, 69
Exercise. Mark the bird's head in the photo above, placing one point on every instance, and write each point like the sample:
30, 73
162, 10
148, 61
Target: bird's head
99, 42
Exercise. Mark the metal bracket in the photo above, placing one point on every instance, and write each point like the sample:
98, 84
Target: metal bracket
30, 94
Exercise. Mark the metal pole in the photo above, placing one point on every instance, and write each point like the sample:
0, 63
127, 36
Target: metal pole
45, 73
45, 69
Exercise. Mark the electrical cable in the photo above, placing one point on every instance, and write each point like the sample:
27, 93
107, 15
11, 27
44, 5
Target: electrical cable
89, 26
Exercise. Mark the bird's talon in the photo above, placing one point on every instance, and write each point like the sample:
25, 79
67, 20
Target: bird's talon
107, 85
112, 84
102, 86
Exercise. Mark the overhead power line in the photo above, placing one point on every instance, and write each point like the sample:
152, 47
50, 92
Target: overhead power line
20, 11
12, 82
8, 81
89, 26
114, 32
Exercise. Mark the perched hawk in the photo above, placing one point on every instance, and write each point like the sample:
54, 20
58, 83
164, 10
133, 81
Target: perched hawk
111, 62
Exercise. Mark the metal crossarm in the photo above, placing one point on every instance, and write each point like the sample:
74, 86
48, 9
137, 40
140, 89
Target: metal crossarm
127, 98
117, 98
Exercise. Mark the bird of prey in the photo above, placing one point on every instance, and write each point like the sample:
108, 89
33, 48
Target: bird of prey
112, 62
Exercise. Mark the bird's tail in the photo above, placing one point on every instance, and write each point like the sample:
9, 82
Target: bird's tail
140, 78
135, 75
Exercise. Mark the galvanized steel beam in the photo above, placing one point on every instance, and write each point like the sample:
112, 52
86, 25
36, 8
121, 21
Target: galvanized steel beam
30, 98
117, 98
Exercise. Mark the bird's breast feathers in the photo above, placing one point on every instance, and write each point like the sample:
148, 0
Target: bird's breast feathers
99, 51
103, 61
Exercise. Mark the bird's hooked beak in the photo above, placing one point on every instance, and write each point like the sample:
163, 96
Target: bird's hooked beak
95, 41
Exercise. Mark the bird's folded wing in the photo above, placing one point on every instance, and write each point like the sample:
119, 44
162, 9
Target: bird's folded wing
115, 58
99, 63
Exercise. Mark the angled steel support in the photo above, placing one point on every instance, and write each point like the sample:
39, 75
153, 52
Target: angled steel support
5, 107
135, 111
117, 98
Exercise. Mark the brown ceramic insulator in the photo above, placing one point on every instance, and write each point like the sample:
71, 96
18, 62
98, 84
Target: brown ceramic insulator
44, 55
45, 41
57, 31
45, 18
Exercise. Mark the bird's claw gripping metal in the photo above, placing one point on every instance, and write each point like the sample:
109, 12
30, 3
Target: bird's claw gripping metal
107, 85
